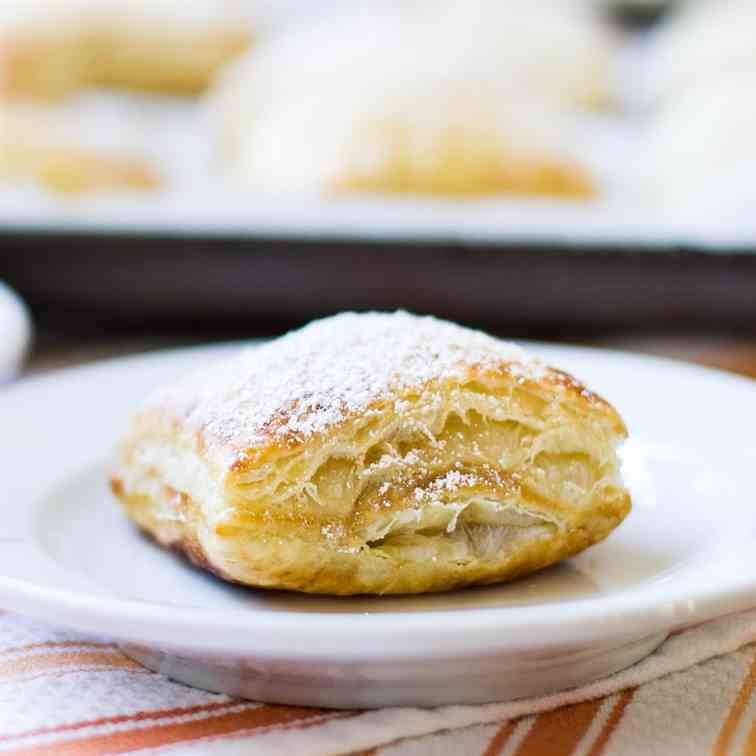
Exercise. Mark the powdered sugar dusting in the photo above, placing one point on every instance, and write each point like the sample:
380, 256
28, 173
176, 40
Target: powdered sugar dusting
449, 483
314, 378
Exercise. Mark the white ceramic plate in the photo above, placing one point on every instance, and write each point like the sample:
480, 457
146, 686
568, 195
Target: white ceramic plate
685, 554
15, 332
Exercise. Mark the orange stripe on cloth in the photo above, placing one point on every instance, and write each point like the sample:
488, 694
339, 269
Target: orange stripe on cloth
749, 749
246, 722
614, 718
750, 745
53, 645
55, 661
726, 734
152, 714
557, 732
500, 739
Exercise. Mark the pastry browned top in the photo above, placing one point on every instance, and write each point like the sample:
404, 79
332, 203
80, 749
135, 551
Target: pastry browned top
312, 380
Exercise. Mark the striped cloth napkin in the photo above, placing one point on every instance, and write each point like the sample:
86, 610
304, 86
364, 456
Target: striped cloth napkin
64, 693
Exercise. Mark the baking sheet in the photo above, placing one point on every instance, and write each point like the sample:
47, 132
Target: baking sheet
198, 200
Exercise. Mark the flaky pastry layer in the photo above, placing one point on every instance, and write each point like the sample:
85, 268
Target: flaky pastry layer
486, 471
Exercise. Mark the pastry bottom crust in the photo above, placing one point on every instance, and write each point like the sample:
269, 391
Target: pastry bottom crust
458, 164
423, 563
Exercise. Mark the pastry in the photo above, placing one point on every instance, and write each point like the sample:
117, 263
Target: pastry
400, 103
40, 57
561, 49
374, 453
51, 48
702, 149
702, 43
34, 147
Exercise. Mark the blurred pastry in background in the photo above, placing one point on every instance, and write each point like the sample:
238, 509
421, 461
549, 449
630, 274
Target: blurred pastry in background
40, 54
168, 46
704, 41
559, 49
51, 48
703, 148
33, 149
405, 101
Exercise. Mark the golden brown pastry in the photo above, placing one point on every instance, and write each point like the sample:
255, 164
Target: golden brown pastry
34, 147
405, 103
50, 48
40, 57
375, 453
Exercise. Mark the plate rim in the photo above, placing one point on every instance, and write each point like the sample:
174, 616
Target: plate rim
280, 633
